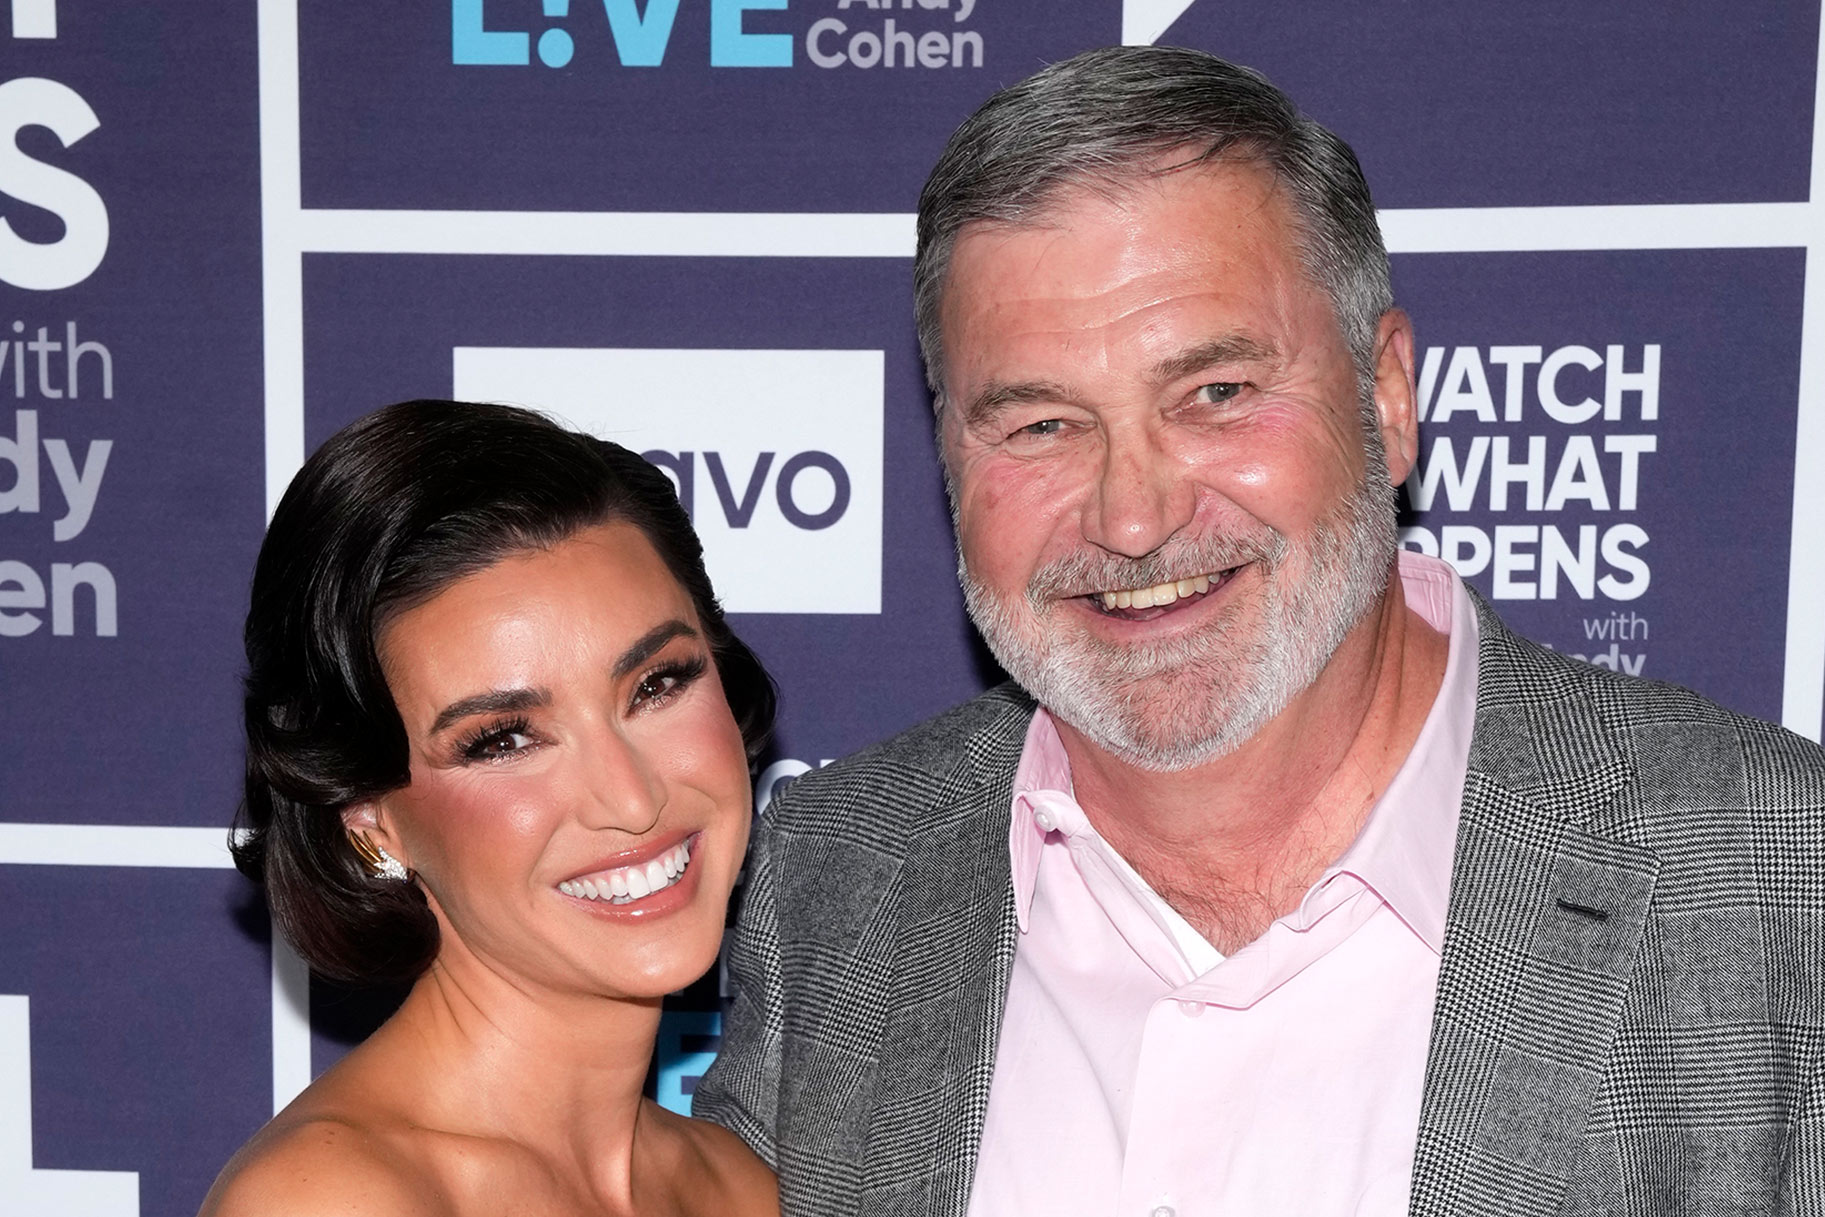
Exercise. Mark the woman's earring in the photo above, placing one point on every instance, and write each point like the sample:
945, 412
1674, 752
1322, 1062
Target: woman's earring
385, 865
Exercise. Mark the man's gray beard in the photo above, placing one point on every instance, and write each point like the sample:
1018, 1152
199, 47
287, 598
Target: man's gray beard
1173, 705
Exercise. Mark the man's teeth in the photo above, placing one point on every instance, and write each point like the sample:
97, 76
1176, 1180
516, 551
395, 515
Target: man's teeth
629, 883
1157, 595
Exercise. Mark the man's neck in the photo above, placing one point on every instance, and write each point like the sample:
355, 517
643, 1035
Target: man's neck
1235, 843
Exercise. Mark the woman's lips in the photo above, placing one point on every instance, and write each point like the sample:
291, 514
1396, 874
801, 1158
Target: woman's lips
636, 880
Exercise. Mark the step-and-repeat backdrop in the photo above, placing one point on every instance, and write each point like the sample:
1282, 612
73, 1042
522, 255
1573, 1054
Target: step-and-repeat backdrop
227, 228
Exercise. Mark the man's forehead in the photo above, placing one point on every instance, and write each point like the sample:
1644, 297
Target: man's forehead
1240, 186
1223, 228
1151, 269
1085, 230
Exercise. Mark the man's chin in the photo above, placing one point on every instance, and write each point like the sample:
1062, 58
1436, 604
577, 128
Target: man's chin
1165, 724
1173, 745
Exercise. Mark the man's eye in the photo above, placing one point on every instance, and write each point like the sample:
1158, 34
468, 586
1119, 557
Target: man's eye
1045, 426
1220, 392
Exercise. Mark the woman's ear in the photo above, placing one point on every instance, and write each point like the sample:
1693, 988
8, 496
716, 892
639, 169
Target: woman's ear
370, 831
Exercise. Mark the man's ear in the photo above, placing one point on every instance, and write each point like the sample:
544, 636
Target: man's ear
1396, 402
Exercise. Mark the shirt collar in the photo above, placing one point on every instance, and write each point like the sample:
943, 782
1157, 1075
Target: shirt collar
1044, 774
1405, 847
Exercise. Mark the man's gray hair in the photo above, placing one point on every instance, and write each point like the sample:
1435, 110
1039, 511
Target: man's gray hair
1106, 117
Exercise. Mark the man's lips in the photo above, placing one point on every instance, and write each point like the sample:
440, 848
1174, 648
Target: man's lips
1146, 603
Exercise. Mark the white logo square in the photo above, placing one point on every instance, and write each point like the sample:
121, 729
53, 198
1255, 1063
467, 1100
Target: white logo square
777, 454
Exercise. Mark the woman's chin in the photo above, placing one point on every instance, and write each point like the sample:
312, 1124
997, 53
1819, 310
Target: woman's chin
668, 956
656, 978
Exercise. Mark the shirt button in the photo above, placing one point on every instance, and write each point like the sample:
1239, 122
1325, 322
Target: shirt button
1045, 821
1190, 1009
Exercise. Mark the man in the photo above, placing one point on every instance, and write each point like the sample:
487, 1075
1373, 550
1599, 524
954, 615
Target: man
1306, 887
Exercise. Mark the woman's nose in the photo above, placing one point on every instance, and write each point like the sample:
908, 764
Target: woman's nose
622, 788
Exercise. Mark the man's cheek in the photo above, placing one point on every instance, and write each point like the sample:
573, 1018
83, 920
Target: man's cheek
1283, 468
1026, 491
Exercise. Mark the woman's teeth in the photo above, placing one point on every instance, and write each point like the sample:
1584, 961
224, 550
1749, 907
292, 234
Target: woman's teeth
625, 884
1157, 595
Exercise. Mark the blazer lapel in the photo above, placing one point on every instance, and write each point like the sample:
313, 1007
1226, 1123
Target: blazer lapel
952, 955
1545, 921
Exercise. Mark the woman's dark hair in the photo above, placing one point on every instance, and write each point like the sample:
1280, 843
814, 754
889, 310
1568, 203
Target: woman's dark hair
391, 510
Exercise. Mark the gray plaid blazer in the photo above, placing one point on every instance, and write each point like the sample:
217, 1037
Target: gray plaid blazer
1631, 1002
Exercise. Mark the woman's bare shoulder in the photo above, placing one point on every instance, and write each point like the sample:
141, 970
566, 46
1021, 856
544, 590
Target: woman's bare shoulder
716, 1165
320, 1164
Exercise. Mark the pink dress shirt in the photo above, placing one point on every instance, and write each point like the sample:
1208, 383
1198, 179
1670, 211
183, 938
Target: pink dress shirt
1141, 1073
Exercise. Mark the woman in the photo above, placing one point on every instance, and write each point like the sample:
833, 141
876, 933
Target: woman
498, 738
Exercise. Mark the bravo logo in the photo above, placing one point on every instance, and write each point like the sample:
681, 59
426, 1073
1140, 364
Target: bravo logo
776, 455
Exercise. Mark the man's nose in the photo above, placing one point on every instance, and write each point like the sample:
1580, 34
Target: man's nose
621, 787
1142, 496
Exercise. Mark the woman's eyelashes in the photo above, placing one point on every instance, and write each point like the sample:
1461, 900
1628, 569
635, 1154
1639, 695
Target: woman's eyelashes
495, 741
667, 680
504, 739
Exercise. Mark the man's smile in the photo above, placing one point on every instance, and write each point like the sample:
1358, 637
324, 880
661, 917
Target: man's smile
1129, 602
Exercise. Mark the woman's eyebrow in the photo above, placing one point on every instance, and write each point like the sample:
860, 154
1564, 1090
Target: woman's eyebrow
495, 701
504, 701
650, 643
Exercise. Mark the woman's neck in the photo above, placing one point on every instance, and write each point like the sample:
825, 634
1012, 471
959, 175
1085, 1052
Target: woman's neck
558, 1074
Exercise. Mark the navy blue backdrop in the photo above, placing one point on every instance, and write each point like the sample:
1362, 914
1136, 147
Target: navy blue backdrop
227, 229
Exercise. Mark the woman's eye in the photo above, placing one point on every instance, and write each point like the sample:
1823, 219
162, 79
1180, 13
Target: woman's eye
665, 682
656, 686
499, 742
1220, 392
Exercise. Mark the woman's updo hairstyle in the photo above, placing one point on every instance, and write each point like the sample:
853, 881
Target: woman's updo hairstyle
391, 510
